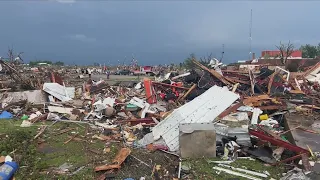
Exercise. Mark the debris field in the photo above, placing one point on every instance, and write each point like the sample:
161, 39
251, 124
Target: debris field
205, 123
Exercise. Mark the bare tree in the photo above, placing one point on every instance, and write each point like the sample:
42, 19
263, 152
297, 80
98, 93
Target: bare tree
286, 51
15, 59
10, 55
206, 60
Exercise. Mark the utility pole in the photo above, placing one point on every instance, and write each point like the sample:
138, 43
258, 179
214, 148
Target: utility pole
222, 53
250, 36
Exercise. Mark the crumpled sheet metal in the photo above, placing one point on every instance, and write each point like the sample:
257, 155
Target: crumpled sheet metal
205, 108
60, 92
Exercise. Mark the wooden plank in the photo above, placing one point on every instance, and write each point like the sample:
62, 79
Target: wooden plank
66, 142
122, 155
253, 99
41, 131
230, 109
64, 131
213, 72
117, 161
107, 167
188, 92
272, 107
271, 81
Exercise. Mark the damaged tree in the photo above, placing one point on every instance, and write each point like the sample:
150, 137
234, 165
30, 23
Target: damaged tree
15, 75
285, 51
189, 64
15, 59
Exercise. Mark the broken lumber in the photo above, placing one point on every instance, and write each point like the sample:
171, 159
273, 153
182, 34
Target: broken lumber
41, 131
64, 131
188, 92
117, 161
213, 72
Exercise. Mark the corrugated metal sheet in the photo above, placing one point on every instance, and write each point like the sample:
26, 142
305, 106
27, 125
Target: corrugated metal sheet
205, 108
60, 92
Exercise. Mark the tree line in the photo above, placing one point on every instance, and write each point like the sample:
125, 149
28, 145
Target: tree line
310, 51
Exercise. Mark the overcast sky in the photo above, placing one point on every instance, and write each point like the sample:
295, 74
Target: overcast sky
157, 32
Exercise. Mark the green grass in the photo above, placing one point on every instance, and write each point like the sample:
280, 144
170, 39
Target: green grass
35, 164
202, 170
39, 163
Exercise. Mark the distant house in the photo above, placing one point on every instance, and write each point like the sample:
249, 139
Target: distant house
271, 60
275, 54
146, 68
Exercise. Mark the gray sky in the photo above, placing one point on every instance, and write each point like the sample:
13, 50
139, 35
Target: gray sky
157, 32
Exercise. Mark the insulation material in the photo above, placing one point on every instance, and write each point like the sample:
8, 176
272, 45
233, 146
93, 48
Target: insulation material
203, 109
63, 110
35, 96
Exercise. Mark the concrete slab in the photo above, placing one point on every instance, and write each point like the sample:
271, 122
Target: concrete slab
200, 143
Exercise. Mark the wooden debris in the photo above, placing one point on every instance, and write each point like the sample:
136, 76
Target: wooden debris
284, 132
107, 167
234, 88
213, 72
107, 150
64, 131
94, 151
76, 138
2, 159
188, 92
307, 130
150, 147
296, 92
41, 117
102, 137
230, 110
41, 131
141, 161
271, 81
122, 155
117, 161
272, 107
255, 99
70, 139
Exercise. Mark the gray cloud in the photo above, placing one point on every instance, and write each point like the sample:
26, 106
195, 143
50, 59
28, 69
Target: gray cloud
81, 37
66, 1
154, 31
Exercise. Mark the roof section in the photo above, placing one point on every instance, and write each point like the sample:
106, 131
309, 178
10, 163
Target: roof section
204, 108
295, 53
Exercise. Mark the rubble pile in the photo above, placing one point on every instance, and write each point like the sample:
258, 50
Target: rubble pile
206, 112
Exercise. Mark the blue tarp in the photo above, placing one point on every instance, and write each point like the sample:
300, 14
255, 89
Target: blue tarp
6, 115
